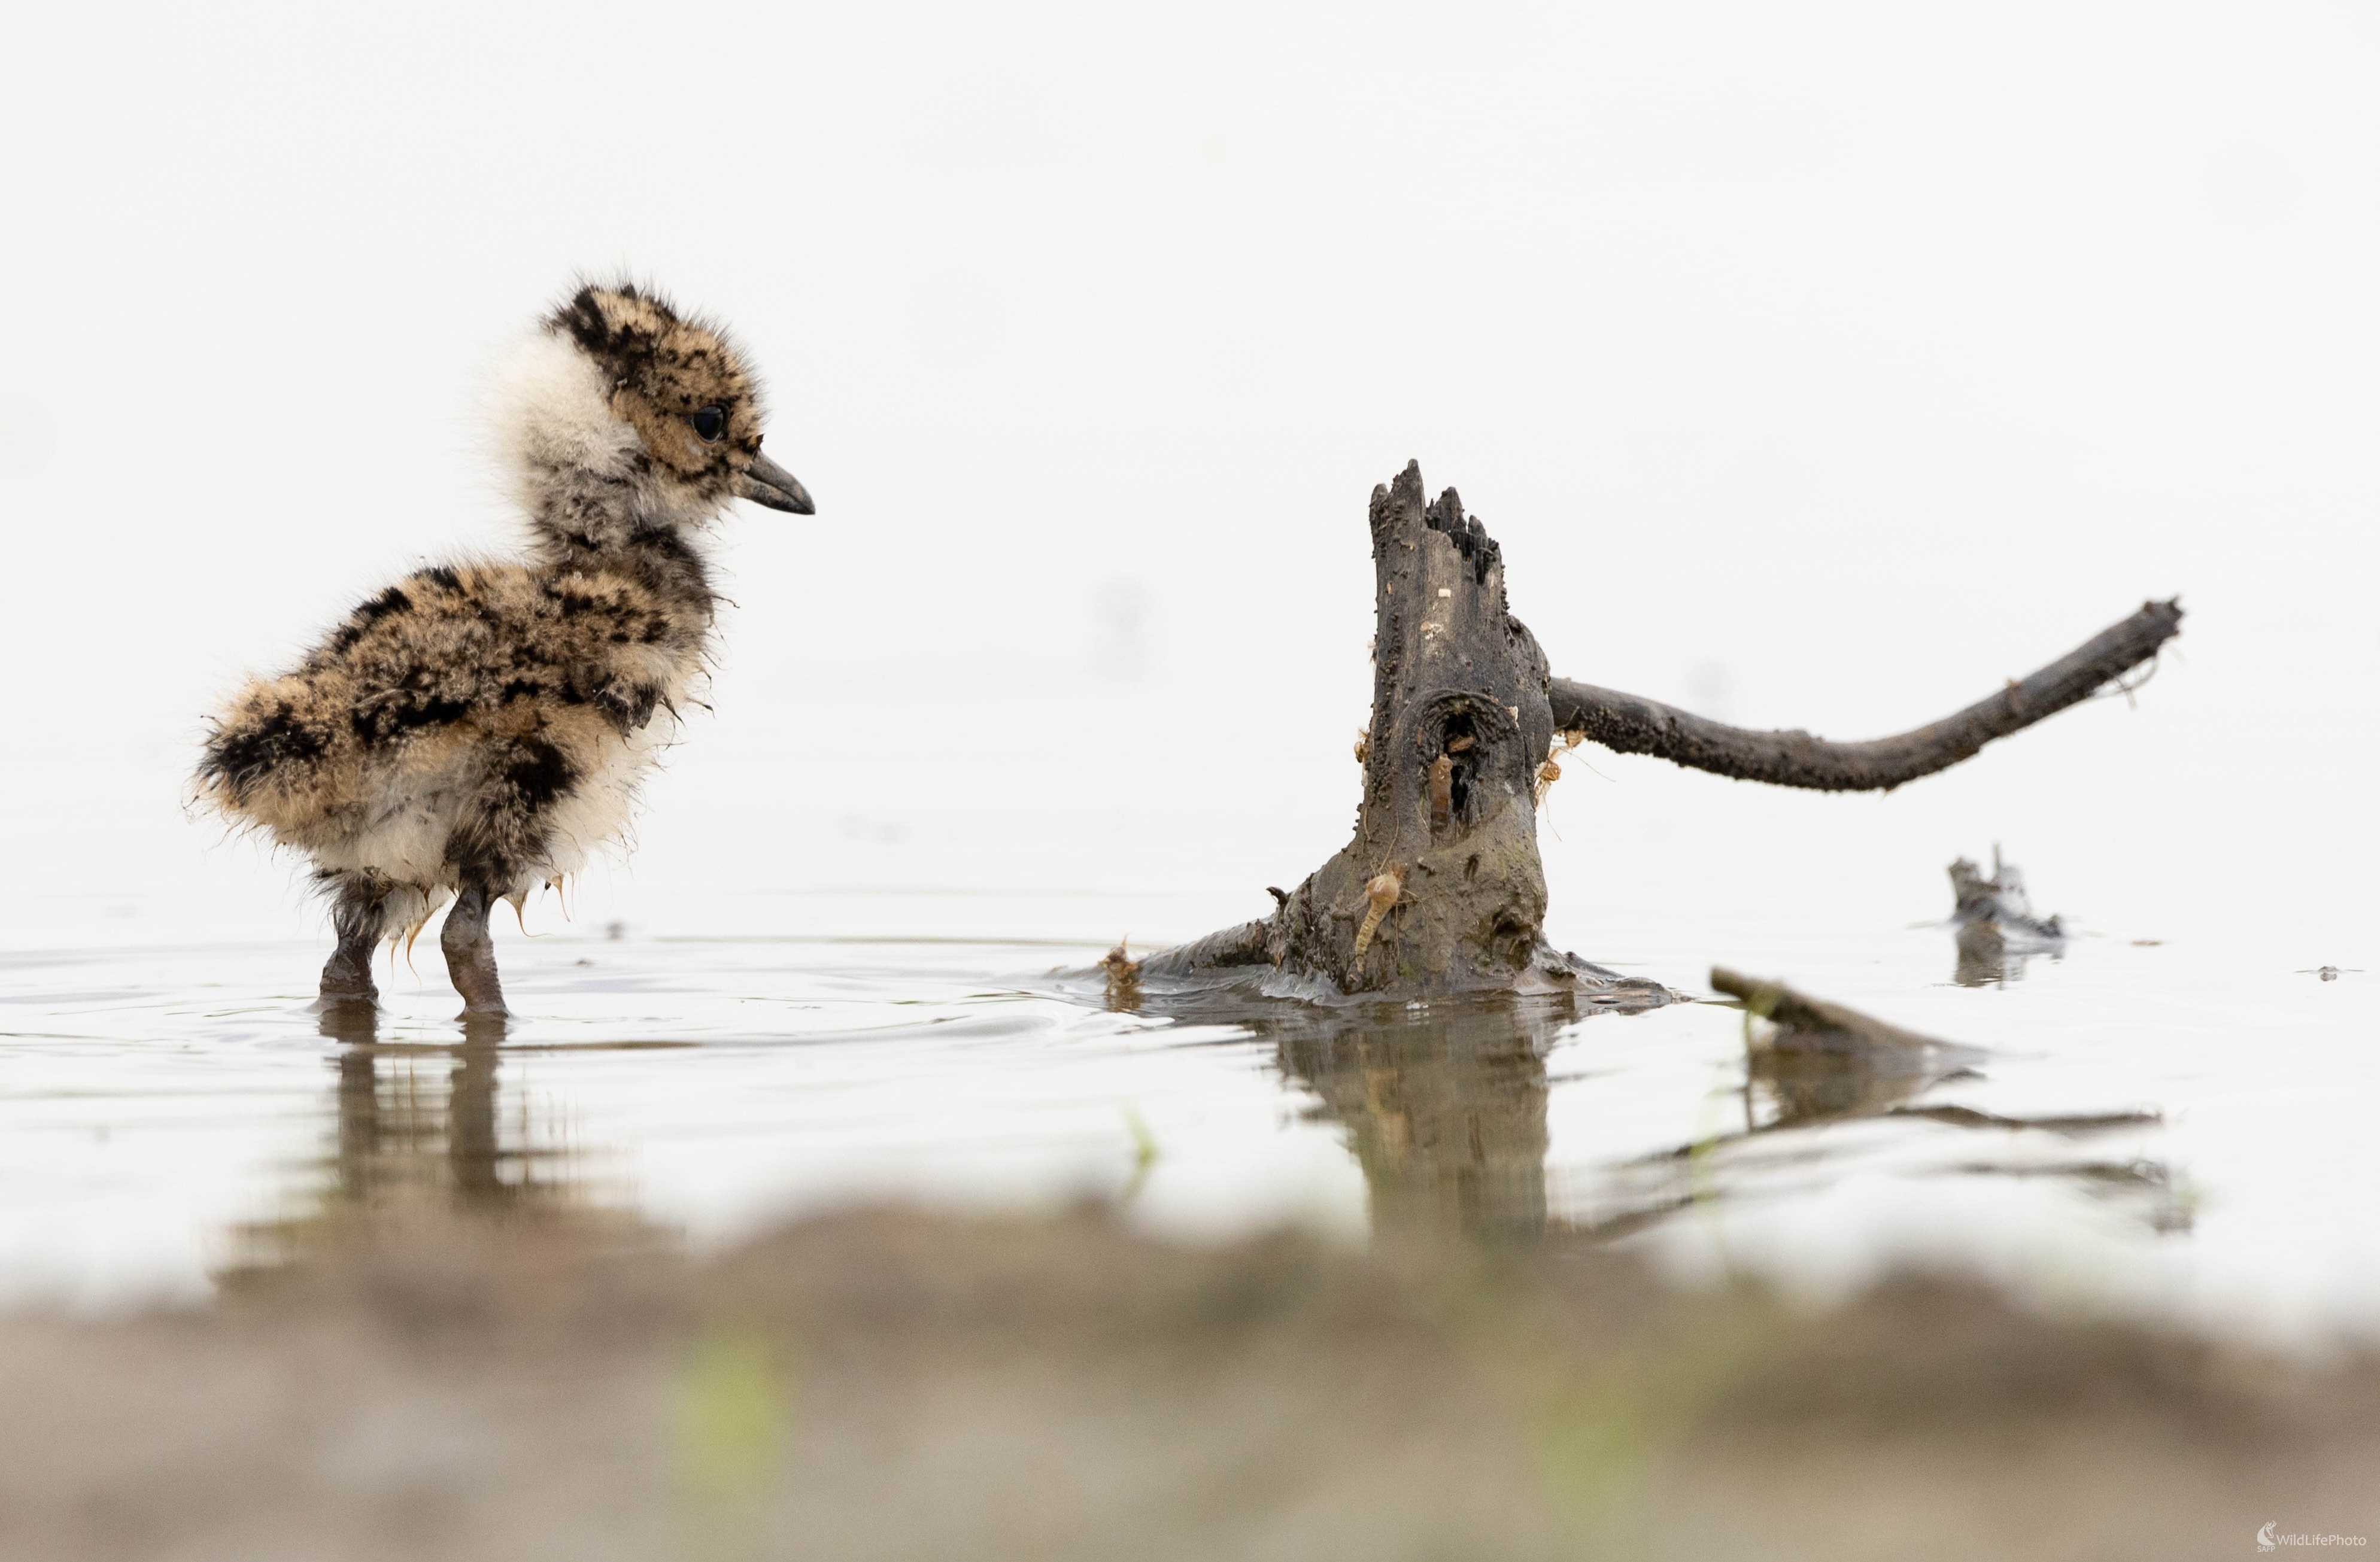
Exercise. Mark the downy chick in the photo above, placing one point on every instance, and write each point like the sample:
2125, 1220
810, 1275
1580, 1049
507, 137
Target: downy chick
478, 728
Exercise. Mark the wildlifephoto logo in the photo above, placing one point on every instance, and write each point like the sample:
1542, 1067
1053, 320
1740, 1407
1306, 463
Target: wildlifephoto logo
2268, 1540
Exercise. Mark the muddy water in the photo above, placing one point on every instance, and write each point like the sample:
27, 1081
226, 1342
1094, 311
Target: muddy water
2121, 1133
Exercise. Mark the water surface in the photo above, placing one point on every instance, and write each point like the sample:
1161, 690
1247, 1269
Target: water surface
2109, 1130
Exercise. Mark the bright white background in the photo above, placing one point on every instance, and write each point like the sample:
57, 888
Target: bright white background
1816, 366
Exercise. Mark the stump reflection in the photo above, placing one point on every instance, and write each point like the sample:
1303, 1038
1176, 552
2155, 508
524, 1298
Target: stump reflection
1445, 1110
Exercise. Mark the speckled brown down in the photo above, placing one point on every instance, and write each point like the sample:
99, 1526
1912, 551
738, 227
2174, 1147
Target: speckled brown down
478, 728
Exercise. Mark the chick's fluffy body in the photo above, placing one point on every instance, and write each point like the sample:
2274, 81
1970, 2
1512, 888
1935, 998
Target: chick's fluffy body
488, 723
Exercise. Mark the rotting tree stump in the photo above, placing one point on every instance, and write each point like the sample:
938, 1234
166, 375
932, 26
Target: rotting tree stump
1441, 890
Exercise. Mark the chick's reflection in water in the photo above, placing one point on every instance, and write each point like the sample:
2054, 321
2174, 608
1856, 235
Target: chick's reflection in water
424, 1134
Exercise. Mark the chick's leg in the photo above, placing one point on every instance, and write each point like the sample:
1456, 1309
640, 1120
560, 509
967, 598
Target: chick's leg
356, 917
471, 954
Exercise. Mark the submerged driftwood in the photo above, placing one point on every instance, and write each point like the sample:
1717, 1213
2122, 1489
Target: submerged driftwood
1441, 889
1820, 1060
1997, 931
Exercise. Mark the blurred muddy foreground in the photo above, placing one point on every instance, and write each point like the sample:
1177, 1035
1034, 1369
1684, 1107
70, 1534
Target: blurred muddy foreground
460, 1352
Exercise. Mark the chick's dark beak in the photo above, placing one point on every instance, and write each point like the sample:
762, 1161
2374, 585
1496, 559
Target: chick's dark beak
765, 482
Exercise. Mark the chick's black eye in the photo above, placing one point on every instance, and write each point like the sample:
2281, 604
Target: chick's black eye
711, 423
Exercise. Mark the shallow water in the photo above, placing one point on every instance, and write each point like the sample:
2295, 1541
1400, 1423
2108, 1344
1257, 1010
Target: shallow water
168, 1116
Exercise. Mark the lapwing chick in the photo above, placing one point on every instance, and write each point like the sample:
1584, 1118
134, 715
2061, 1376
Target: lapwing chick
476, 730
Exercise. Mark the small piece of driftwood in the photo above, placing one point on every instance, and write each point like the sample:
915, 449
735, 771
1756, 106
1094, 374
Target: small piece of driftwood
1809, 1023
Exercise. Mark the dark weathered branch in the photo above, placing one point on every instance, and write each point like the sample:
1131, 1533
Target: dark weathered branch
1631, 724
